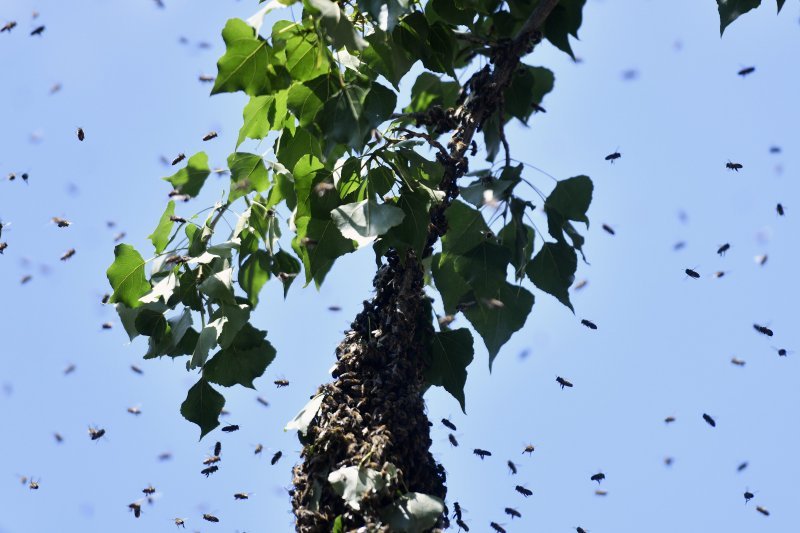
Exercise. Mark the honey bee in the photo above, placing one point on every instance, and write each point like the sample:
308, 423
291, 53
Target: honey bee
579, 529
136, 507
25, 279
529, 449
181, 156
497, 527
718, 274
512, 467
259, 449
668, 461
779, 209
281, 383
105, 298
745, 71
513, 513
761, 259
669, 420
136, 370
69, 253
210, 517
763, 330
58, 437
107, 325
482, 453
165, 456
210, 470
176, 218
134, 410
205, 78
61, 222
38, 31
462, 525
738, 362
710, 421
119, 236
81, 134
231, 428
524, 491
445, 320
589, 324
609, 229
692, 273
8, 26
563, 382
149, 490
218, 448
212, 460
748, 496
276, 457
33, 485
762, 510
724, 248
210, 135
580, 284
733, 166
262, 401
741, 466
452, 439
598, 477
180, 522
96, 433
241, 496
600, 492
3, 246
70, 369
613, 157
449, 425
55, 88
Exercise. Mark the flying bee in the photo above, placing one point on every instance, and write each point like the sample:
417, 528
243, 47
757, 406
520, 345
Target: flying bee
210, 135
445, 320
224, 412
718, 274
748, 496
241, 496
70, 369
482, 453
563, 382
779, 209
524, 491
136, 370
598, 477
452, 439
149, 490
580, 284
741, 466
782, 352
212, 460
281, 383
680, 245
709, 420
105, 298
10, 25
55, 88
669, 420
462, 525
745, 71
609, 229
176, 218
81, 134
107, 325
58, 437
762, 510
210, 470
334, 308
579, 529
134, 410
210, 517
738, 362
96, 433
33, 485
119, 236
3, 246
724, 248
513, 513
276, 457
457, 511
218, 448
529, 449
259, 449
180, 522
692, 273
38, 31
230, 428
61, 222
613, 157
69, 253
668, 461
589, 324
473, 148
760, 259
449, 425
165, 456
600, 492
764, 330
262, 401
205, 78
497, 527
512, 467
181, 156
25, 279
136, 507
733, 166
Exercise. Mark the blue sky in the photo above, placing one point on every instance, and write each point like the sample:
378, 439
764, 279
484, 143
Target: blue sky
663, 344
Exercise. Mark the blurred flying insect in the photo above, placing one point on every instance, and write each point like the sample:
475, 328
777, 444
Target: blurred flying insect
55, 88
524, 491
134, 410
165, 456
762, 510
563, 382
452, 439
782, 352
449, 425
680, 245
3, 246
38, 31
741, 466
180, 522
580, 284
733, 166
710, 421
738, 362
600, 492
136, 370
106, 297
176, 218
482, 453
598, 477
58, 437
724, 248
149, 490
10, 25
761, 259
205, 78
276, 457
668, 461
259, 449
107, 325
230, 428
764, 330
609, 229
774, 149
210, 517
262, 401
69, 253
218, 448
579, 529
241, 496
589, 324
61, 222
529, 449
96, 433
181, 156
748, 496
81, 134
70, 369
457, 510
613, 156
212, 460
746, 71
779, 209
281, 383
33, 485
718, 274
669, 420
25, 279
497, 527
513, 513
210, 135
462, 525
692, 273
512, 467
210, 470
119, 236
136, 507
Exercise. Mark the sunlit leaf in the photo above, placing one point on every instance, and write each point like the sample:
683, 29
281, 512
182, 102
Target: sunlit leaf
160, 235
413, 512
126, 276
248, 174
365, 221
303, 419
244, 360
190, 180
202, 406
352, 483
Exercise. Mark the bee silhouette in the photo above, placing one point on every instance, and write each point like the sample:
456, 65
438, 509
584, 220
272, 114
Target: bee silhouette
692, 273
748, 496
779, 209
724, 248
8, 26
453, 440
276, 457
762, 510
524, 491
482, 453
738, 362
609, 229
589, 324
449, 425
136, 507
709, 420
231, 428
529, 449
210, 135
210, 517
81, 134
733, 166
763, 330
746, 71
462, 525
210, 470
457, 511
181, 156
512, 467
669, 420
497, 527
38, 31
598, 477
513, 513
563, 382
613, 157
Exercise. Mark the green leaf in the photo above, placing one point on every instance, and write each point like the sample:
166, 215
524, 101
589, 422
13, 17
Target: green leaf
151, 324
244, 360
160, 235
126, 276
236, 316
517, 237
248, 174
412, 232
387, 57
466, 229
571, 198
451, 354
202, 406
564, 20
303, 419
307, 98
305, 57
206, 341
247, 63
263, 114
527, 90
380, 181
413, 512
286, 268
254, 273
188, 292
450, 12
384, 12
730, 10
496, 319
190, 180
367, 220
429, 90
318, 243
162, 290
553, 270
338, 28
340, 117
483, 267
780, 5
450, 285
219, 286
352, 483
128, 316
338, 525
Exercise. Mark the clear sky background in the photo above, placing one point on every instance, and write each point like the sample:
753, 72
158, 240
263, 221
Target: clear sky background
664, 341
